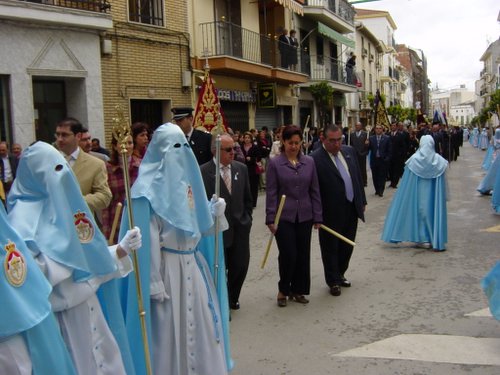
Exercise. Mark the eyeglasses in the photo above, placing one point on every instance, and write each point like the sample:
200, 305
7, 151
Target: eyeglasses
227, 149
62, 135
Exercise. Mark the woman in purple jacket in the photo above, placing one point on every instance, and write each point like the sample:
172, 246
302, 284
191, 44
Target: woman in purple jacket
293, 174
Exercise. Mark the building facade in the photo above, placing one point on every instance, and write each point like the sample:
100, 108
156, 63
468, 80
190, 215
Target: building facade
52, 68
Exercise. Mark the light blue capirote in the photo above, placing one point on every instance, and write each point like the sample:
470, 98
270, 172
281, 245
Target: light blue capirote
42, 204
488, 182
493, 151
26, 309
418, 210
491, 287
167, 172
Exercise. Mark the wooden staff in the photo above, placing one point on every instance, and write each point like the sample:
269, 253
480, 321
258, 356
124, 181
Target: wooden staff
121, 132
305, 133
276, 221
337, 234
118, 213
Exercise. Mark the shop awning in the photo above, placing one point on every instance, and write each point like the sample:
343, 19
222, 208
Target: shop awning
294, 6
335, 36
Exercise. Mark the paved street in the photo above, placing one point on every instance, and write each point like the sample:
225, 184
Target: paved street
409, 311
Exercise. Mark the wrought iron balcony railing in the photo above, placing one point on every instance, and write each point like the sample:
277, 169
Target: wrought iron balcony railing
101, 6
221, 38
339, 7
327, 68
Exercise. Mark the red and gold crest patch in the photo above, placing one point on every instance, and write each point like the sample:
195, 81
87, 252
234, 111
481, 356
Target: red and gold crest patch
14, 265
84, 227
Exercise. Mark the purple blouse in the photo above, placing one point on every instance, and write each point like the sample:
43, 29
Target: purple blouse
300, 185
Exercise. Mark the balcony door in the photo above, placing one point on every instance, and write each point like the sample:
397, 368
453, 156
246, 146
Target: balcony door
229, 32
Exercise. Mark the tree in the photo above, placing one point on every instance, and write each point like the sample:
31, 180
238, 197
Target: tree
322, 93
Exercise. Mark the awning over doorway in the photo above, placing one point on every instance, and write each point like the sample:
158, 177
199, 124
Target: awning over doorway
335, 36
294, 6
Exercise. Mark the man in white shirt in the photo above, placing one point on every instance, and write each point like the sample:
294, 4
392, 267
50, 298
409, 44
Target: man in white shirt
89, 171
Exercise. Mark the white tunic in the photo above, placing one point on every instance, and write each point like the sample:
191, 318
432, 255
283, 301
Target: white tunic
14, 356
186, 330
89, 340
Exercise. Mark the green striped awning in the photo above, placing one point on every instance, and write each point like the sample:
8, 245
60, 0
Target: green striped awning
334, 35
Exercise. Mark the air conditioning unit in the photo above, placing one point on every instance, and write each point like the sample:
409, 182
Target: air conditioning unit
364, 52
371, 57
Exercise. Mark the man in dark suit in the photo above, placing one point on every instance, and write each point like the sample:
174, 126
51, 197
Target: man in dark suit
358, 140
343, 202
8, 166
399, 148
235, 189
380, 155
198, 140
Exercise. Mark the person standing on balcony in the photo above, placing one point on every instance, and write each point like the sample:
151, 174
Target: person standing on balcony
284, 47
349, 68
294, 49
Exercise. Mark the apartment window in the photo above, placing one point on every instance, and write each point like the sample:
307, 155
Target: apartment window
149, 12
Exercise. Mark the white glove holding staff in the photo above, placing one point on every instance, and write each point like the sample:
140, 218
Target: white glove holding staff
131, 241
217, 206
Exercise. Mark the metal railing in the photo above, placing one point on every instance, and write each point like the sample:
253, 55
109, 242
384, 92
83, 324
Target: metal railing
101, 6
327, 68
221, 38
339, 7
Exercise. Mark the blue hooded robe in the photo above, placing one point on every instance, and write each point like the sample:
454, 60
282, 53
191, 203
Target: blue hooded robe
418, 210
169, 187
24, 292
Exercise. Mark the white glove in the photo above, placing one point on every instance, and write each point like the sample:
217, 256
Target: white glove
132, 240
160, 297
217, 206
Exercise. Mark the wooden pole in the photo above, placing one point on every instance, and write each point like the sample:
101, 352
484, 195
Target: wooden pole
118, 214
276, 221
338, 235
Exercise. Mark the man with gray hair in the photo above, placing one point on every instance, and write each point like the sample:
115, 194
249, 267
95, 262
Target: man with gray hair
235, 189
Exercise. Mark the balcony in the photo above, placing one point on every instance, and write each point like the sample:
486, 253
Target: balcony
87, 14
233, 50
323, 68
337, 14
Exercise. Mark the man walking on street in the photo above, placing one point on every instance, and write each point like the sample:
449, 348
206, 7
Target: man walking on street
343, 202
380, 155
235, 189
358, 142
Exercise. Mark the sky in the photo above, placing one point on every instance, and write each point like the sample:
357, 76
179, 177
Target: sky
453, 35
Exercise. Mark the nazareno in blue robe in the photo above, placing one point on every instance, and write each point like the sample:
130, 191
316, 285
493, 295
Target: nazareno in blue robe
418, 210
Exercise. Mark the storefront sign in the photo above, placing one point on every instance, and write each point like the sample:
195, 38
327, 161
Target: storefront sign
266, 95
236, 96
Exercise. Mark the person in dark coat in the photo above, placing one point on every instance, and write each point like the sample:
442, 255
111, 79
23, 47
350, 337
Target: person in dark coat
198, 140
235, 189
343, 202
380, 155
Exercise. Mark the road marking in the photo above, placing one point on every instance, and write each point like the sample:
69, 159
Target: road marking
432, 348
495, 229
481, 313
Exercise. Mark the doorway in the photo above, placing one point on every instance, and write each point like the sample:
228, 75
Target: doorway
49, 99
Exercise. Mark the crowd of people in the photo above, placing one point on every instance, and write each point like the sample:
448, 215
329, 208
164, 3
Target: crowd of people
65, 191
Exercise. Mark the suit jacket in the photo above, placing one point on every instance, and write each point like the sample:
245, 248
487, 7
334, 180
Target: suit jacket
332, 185
200, 142
239, 204
399, 146
358, 143
93, 179
13, 166
384, 148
